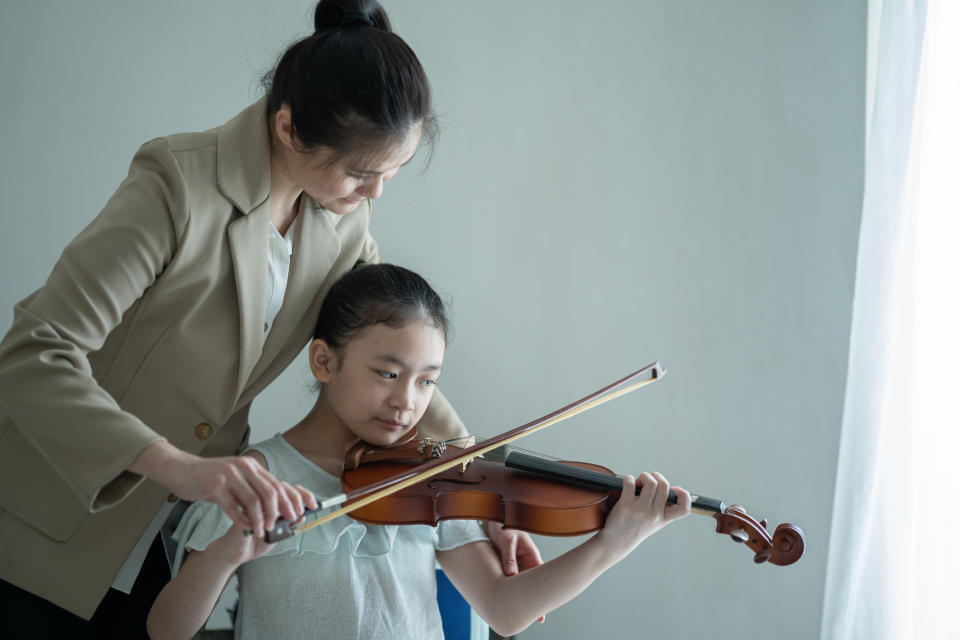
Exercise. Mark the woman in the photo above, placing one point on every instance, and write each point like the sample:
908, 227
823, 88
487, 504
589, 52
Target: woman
193, 289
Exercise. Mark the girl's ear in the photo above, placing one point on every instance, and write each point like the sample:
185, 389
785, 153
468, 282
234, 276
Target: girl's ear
323, 360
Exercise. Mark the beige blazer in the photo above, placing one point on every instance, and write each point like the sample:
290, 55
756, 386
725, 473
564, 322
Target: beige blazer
150, 327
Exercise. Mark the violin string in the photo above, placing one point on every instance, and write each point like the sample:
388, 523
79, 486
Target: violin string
507, 447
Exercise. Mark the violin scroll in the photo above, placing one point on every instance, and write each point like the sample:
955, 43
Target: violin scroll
783, 548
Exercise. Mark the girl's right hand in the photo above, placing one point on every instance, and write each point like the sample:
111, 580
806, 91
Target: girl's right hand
238, 545
241, 486
636, 517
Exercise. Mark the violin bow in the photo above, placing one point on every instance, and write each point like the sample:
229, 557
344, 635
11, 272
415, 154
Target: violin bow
365, 495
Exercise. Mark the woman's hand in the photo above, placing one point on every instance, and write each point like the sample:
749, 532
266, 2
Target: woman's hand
242, 487
636, 517
516, 548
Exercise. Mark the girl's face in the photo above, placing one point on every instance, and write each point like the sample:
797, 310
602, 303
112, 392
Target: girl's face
340, 187
380, 383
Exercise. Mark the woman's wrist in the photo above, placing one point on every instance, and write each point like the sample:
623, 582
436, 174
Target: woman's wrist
160, 462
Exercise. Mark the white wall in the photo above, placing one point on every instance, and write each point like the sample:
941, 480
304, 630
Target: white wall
617, 182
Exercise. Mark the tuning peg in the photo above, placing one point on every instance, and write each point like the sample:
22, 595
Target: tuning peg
762, 556
763, 523
739, 535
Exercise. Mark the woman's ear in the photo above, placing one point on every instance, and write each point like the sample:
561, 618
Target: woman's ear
323, 360
283, 126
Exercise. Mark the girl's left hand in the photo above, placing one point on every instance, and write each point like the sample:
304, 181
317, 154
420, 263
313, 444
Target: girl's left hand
637, 516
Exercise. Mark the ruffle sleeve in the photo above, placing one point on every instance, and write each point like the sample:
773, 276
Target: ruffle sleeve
204, 522
456, 533
201, 524
362, 540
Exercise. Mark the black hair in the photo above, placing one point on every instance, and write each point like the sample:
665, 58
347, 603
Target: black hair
353, 86
374, 294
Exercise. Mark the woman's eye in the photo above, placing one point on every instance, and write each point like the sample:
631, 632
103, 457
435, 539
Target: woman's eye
389, 375
428, 383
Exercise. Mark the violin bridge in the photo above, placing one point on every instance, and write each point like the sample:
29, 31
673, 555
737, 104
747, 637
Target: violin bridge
465, 464
430, 449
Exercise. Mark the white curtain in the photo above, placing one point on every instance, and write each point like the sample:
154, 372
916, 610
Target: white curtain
893, 568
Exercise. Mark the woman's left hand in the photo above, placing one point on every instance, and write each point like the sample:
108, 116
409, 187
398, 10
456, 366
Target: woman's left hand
516, 548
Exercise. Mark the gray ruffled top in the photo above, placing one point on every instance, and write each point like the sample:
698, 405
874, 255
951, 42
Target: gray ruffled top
341, 579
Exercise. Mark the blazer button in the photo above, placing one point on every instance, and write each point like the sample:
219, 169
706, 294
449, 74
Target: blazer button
204, 430
172, 498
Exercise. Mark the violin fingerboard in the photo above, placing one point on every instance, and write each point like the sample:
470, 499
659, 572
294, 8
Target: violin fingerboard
562, 472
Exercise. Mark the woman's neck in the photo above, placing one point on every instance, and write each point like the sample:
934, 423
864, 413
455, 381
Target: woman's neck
284, 192
322, 437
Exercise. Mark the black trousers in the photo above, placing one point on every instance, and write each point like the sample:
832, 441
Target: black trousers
24, 615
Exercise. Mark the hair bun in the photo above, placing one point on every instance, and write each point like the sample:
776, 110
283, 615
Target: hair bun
355, 19
335, 14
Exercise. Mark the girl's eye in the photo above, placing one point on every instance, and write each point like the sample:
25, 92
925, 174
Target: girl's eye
428, 383
389, 375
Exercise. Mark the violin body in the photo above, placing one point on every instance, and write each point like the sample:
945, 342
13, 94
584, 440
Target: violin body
484, 490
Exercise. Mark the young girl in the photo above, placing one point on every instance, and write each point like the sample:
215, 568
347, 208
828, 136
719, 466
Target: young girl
377, 352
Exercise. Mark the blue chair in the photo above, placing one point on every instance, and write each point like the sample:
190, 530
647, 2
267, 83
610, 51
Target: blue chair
460, 622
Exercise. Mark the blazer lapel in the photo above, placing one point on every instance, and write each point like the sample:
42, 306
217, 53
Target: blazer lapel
243, 176
248, 244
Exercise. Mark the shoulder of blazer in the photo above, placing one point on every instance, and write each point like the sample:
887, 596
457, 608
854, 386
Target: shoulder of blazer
242, 155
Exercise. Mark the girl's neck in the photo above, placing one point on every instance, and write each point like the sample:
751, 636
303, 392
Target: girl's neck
322, 437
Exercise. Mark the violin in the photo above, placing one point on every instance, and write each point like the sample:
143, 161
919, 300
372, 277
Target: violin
527, 492
420, 481
534, 494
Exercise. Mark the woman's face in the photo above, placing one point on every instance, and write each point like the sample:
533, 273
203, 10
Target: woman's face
382, 380
340, 187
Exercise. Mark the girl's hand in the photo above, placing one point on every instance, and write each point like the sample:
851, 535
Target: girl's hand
237, 546
241, 486
511, 603
636, 517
